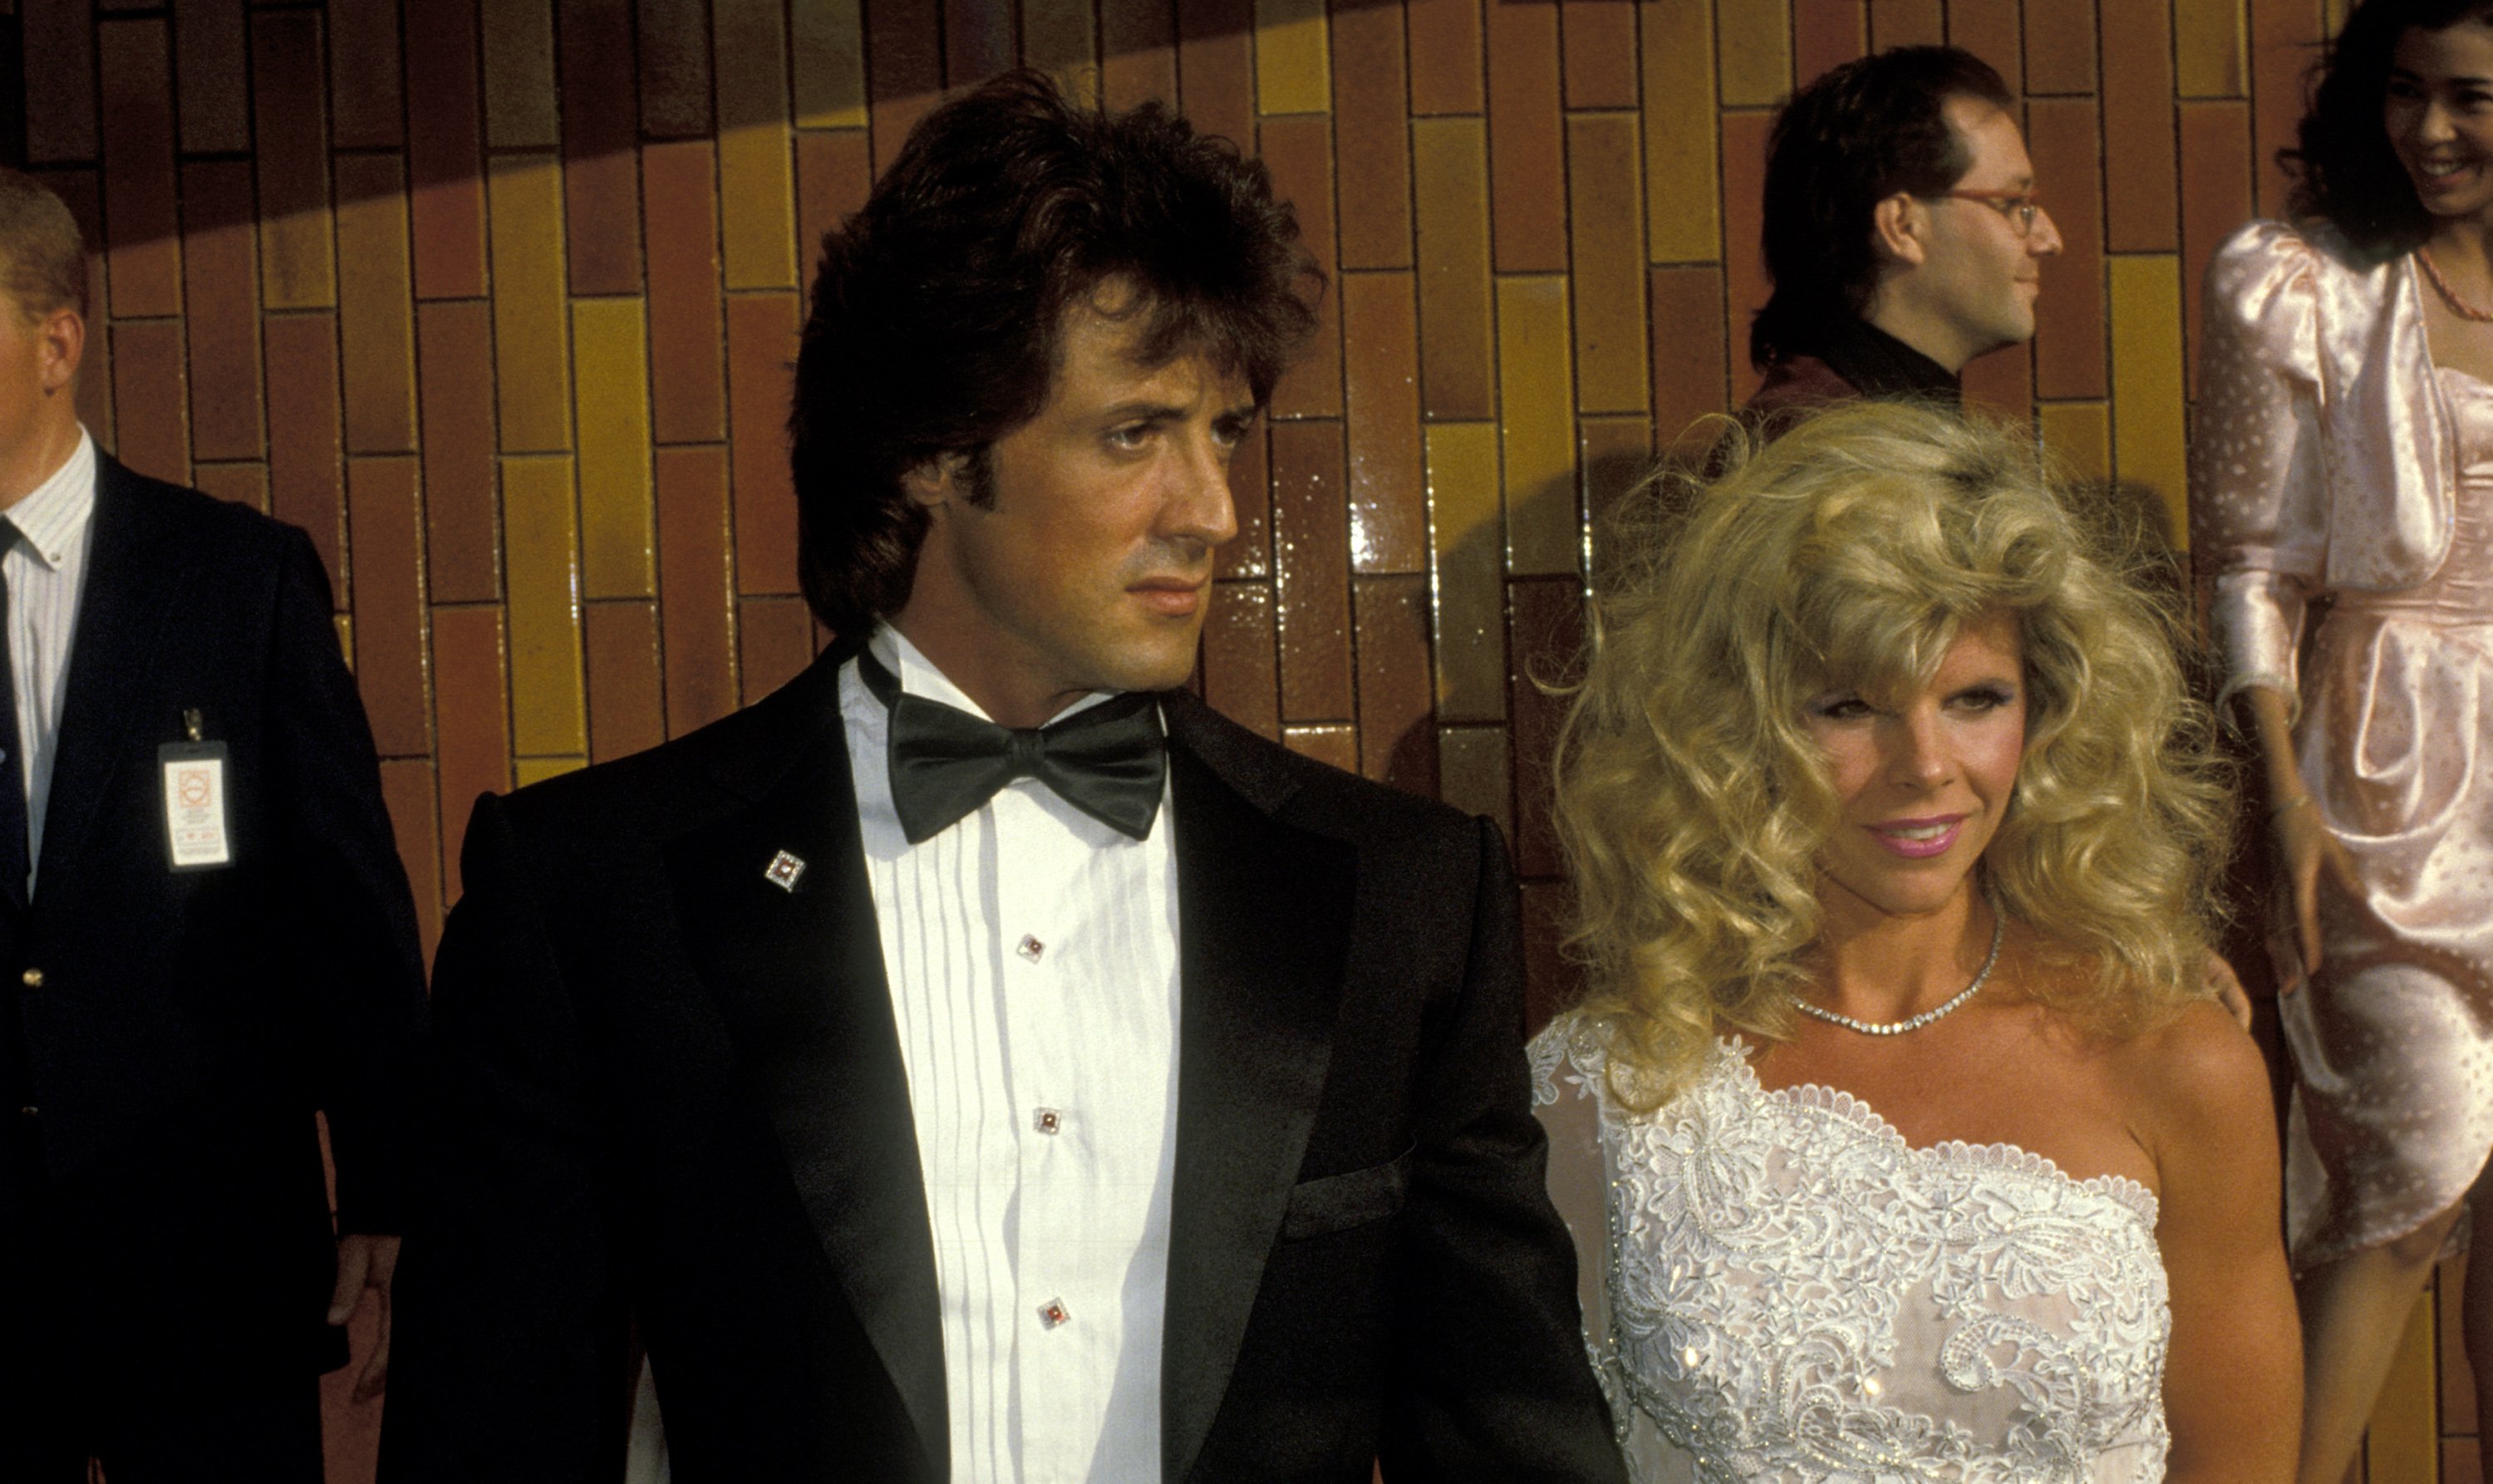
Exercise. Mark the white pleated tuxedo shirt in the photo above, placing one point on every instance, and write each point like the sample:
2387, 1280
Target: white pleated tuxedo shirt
46, 572
1033, 959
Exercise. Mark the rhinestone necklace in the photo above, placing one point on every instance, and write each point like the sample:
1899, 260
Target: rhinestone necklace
1990, 961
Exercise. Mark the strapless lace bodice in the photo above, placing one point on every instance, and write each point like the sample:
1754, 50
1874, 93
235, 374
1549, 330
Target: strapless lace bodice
1778, 1288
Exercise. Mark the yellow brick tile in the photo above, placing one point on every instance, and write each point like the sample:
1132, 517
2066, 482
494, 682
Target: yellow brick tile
376, 305
1607, 261
1293, 57
756, 178
1537, 424
344, 624
520, 112
543, 567
2208, 55
2080, 434
1467, 587
1683, 194
2147, 393
2403, 1443
1055, 38
616, 534
828, 38
531, 365
536, 770
1754, 52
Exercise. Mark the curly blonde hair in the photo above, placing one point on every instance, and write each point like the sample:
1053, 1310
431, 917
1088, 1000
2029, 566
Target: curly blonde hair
1849, 553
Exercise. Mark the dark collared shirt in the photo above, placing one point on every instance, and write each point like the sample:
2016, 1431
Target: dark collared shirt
1852, 358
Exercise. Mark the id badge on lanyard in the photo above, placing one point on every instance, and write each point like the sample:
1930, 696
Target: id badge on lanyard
196, 820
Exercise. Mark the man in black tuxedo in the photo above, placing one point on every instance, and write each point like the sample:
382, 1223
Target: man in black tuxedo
205, 936
979, 1060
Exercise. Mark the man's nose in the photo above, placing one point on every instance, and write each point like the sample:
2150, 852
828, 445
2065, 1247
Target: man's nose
1201, 507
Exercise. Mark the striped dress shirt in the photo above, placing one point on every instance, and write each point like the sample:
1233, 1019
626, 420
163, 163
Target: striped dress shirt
1033, 959
46, 570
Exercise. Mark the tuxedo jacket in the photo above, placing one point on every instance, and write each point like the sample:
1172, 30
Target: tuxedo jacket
672, 1090
170, 1033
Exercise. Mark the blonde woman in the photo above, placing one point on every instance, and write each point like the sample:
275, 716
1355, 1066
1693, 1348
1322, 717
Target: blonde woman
1898, 1133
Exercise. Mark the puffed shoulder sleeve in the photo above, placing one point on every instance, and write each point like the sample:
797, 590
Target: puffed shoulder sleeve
2258, 514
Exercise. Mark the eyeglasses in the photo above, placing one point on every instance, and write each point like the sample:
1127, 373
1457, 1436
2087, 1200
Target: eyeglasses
2018, 206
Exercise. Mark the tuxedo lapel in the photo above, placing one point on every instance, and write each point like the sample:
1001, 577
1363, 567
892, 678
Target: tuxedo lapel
796, 970
1264, 913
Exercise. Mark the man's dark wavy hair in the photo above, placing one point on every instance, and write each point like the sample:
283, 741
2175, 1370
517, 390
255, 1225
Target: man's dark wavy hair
2345, 172
935, 313
1858, 135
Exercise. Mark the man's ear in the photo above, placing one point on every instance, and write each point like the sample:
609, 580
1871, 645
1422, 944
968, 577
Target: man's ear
64, 338
1898, 225
935, 481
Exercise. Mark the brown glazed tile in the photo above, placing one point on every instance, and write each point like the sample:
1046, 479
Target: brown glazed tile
471, 718
220, 269
1605, 200
696, 586
143, 244
1536, 402
520, 111
531, 362
1216, 68
775, 642
977, 41
827, 47
2059, 46
1598, 52
1546, 618
1473, 776
625, 712
1398, 734
386, 533
762, 359
2143, 214
601, 176
610, 357
1450, 159
2460, 1462
376, 305
1744, 276
1241, 664
2210, 52
756, 188
83, 194
1615, 453
444, 158
1445, 56
675, 67
1683, 154
60, 95
1550, 981
1310, 570
1389, 514
298, 270
210, 78
2284, 34
1249, 553
1527, 154
1299, 150
1373, 147
904, 72
1826, 34
541, 557
2063, 137
407, 792
2003, 383
455, 344
1692, 377
1753, 53
2457, 1373
834, 171
687, 319
2216, 170
242, 484
364, 74
147, 387
305, 480
1137, 52
1915, 23
1467, 545
1990, 31
1335, 745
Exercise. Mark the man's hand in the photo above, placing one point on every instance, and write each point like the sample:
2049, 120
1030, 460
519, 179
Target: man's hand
366, 1261
2219, 976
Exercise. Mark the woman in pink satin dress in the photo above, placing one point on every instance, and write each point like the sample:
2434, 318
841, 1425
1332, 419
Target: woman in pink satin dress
2342, 507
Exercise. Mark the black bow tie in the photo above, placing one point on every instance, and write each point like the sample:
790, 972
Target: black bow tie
1106, 760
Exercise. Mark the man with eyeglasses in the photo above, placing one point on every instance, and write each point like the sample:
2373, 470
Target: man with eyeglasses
1901, 232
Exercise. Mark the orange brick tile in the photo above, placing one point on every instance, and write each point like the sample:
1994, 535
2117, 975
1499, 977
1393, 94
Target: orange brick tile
696, 587
1388, 520
2069, 346
364, 71
1911, 23
756, 182
147, 371
774, 644
1445, 62
1606, 257
601, 175
834, 171
376, 305
1744, 276
1684, 213
1598, 52
1826, 34
1299, 150
1550, 981
1467, 545
60, 96
687, 319
827, 48
444, 145
1449, 177
760, 358
2059, 45
1373, 149
409, 792
144, 246
626, 710
2003, 383
1527, 151
904, 73
673, 37
2211, 49
2284, 34
1473, 774
471, 720
1334, 746
1992, 32
1312, 570
1398, 734
531, 365
618, 536
220, 269
455, 350
1241, 664
1693, 378
210, 76
977, 41
243, 483
541, 549
297, 269
306, 479
1249, 553
1546, 618
2143, 214
83, 194
1137, 52
1291, 70
2080, 434
1752, 51
386, 533
1537, 424
2460, 1462
520, 111
2216, 173
1057, 39
1216, 68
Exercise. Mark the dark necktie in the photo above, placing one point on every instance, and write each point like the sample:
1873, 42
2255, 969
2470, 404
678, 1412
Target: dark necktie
14, 857
1106, 760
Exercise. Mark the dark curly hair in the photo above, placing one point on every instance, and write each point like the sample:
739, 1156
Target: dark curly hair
2345, 172
935, 313
1857, 136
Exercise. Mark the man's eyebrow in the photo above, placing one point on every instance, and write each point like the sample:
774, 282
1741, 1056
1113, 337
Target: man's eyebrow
1140, 412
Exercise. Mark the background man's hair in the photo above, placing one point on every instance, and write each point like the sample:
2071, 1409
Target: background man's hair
936, 310
43, 261
1858, 135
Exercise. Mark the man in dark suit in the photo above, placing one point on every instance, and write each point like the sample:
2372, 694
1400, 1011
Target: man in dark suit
979, 1060
205, 936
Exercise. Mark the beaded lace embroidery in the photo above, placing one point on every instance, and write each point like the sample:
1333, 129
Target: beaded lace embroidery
1796, 1294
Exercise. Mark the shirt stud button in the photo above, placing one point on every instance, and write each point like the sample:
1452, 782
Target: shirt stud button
1048, 1120
1030, 948
1053, 1313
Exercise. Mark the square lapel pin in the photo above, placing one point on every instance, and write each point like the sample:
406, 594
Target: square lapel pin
782, 870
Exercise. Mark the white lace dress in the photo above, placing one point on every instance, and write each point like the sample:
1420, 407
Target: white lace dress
1776, 1288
